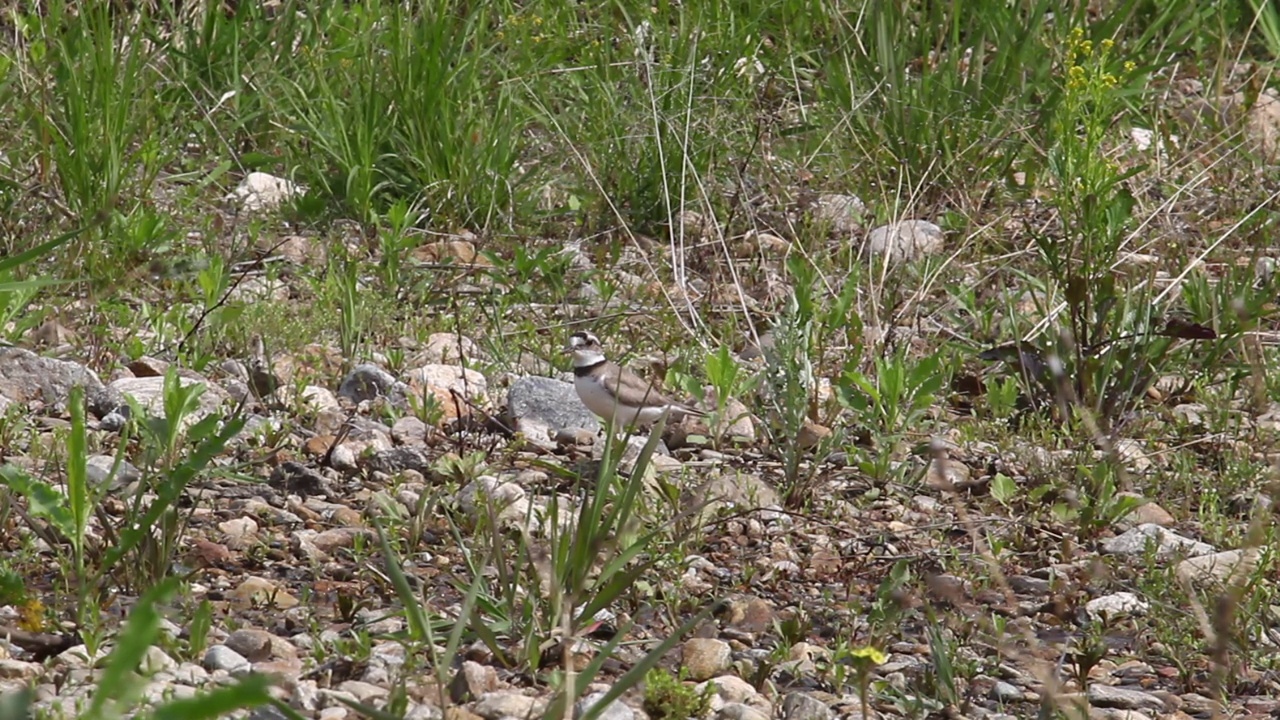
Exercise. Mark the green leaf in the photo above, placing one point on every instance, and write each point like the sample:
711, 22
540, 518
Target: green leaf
43, 501
1003, 488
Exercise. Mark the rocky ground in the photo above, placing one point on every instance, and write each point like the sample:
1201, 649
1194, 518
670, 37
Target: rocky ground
888, 523
281, 544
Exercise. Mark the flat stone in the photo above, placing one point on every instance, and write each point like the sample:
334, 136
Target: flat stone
98, 469
1109, 696
499, 705
1218, 567
1168, 543
472, 681
148, 393
1116, 604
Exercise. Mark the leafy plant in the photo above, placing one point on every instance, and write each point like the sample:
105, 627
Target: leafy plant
667, 697
893, 401
138, 550
1099, 504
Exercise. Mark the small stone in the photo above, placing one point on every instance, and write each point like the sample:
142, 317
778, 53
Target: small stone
262, 191
1219, 567
238, 528
905, 241
317, 398
148, 393
731, 687
1006, 692
499, 705
1133, 455
461, 252
221, 657
446, 349
811, 435
254, 591
1115, 605
751, 614
1147, 513
250, 643
409, 430
301, 250
471, 681
453, 379
363, 691
99, 468
26, 377
11, 669
540, 404
705, 658
740, 711
1109, 696
615, 710
366, 382
1168, 543
803, 706
755, 243
843, 212
948, 474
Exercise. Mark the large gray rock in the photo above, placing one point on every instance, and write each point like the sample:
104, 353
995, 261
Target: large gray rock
540, 407
148, 392
27, 377
366, 382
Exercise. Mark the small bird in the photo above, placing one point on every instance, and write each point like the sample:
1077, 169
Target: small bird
610, 390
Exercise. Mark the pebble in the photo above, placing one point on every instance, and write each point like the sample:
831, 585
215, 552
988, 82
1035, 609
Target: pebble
704, 658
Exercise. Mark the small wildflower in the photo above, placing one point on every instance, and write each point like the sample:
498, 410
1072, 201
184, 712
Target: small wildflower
869, 653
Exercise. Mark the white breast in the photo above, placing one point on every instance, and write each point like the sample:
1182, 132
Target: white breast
601, 402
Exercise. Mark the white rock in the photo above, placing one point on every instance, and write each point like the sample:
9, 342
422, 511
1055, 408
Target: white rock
263, 191
1116, 604
905, 240
1168, 543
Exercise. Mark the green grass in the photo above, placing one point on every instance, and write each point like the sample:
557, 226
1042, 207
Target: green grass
534, 125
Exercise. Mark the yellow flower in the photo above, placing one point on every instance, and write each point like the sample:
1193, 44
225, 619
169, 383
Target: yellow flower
875, 655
